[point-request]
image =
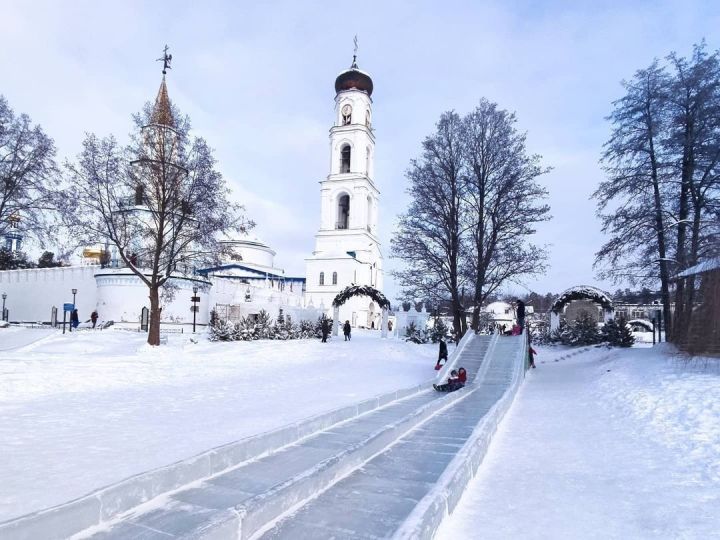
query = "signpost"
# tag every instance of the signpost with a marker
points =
(144, 319)
(194, 308)
(67, 308)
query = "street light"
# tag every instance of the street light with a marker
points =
(74, 292)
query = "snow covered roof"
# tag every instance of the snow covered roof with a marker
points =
(705, 266)
(498, 308)
(583, 292)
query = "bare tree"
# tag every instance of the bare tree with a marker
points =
(26, 168)
(429, 234)
(504, 202)
(638, 177)
(660, 200)
(159, 201)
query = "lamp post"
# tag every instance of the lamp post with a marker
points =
(194, 307)
(4, 297)
(74, 292)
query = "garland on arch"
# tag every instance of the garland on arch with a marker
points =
(361, 290)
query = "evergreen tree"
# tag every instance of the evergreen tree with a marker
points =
(439, 331)
(14, 260)
(47, 260)
(584, 331)
(626, 339)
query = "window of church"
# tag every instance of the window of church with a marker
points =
(345, 159)
(343, 219)
(334, 282)
(322, 278)
(367, 118)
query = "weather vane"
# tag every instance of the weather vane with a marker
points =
(166, 59)
(355, 49)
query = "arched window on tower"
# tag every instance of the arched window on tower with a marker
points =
(367, 118)
(322, 278)
(367, 161)
(343, 219)
(345, 159)
(334, 281)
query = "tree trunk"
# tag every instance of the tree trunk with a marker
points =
(155, 311)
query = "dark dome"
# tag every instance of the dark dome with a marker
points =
(354, 78)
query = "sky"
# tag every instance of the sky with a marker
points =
(257, 81)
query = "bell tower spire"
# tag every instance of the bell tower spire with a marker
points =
(347, 248)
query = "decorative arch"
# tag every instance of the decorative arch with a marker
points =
(361, 290)
(647, 325)
(581, 292)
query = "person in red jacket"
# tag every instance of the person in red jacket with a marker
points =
(455, 382)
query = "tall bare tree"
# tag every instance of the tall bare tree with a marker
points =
(504, 202)
(635, 162)
(429, 238)
(660, 201)
(694, 140)
(27, 168)
(159, 201)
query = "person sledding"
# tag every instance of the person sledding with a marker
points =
(442, 355)
(455, 382)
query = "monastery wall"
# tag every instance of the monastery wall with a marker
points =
(31, 293)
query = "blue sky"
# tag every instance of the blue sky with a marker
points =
(257, 82)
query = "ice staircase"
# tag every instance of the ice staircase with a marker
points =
(361, 478)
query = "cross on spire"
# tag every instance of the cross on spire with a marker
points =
(166, 59)
(355, 49)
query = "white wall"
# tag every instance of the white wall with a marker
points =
(121, 297)
(32, 293)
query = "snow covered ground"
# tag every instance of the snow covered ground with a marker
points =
(87, 409)
(606, 444)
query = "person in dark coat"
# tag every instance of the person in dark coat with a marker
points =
(531, 354)
(325, 329)
(520, 312)
(74, 318)
(346, 330)
(94, 318)
(442, 354)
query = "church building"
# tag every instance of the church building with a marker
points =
(347, 249)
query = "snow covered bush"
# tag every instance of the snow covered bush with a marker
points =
(579, 333)
(222, 331)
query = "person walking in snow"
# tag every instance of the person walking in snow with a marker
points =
(74, 318)
(94, 318)
(346, 330)
(531, 354)
(442, 354)
(325, 329)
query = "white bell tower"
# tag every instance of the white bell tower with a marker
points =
(347, 250)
